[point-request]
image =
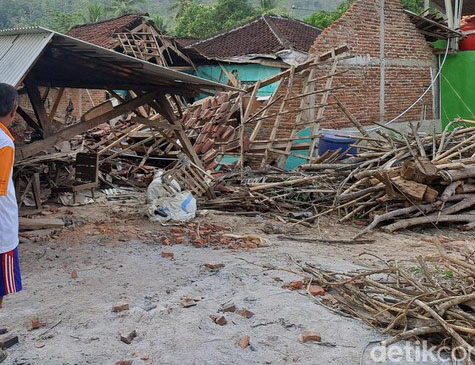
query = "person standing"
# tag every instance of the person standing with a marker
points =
(10, 278)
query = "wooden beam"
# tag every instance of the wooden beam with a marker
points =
(29, 120)
(54, 109)
(39, 108)
(83, 126)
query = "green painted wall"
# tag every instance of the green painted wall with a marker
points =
(458, 87)
(248, 74)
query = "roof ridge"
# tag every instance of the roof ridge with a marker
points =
(276, 32)
(255, 20)
(109, 20)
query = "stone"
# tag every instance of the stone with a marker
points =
(188, 302)
(244, 341)
(310, 336)
(6, 343)
(130, 337)
(316, 290)
(120, 307)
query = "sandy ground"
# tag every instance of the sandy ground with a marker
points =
(117, 256)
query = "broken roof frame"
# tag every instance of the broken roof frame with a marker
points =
(37, 57)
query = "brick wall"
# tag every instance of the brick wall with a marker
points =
(407, 68)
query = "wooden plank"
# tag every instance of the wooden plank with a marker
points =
(29, 224)
(81, 127)
(54, 109)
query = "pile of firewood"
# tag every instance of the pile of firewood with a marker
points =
(434, 301)
(397, 179)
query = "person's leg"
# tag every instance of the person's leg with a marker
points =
(1, 301)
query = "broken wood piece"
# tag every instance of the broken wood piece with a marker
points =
(32, 224)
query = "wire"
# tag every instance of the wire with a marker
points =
(423, 94)
(420, 97)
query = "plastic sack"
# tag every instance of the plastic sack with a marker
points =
(156, 188)
(180, 208)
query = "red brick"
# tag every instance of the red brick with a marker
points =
(310, 336)
(316, 290)
(120, 307)
(244, 341)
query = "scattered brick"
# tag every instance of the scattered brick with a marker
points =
(316, 290)
(128, 340)
(179, 240)
(244, 341)
(124, 362)
(74, 274)
(120, 307)
(245, 313)
(310, 336)
(221, 320)
(36, 323)
(168, 255)
(228, 308)
(294, 285)
(214, 266)
(166, 242)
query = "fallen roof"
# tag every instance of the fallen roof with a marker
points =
(102, 33)
(467, 9)
(266, 35)
(56, 60)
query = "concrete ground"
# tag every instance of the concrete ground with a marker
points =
(117, 256)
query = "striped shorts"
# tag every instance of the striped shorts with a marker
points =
(10, 278)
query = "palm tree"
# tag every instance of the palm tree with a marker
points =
(121, 7)
(94, 13)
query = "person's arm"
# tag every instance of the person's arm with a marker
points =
(6, 167)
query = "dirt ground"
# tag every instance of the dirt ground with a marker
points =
(117, 255)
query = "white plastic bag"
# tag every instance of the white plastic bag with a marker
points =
(156, 190)
(180, 208)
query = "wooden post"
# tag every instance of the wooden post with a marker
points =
(39, 108)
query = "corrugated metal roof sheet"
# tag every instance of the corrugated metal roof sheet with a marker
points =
(21, 48)
(18, 53)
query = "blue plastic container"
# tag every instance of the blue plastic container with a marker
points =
(330, 142)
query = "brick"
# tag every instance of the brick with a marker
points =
(120, 307)
(36, 324)
(129, 338)
(166, 242)
(74, 274)
(244, 341)
(179, 240)
(214, 266)
(228, 308)
(124, 362)
(310, 336)
(6, 343)
(220, 320)
(168, 255)
(294, 285)
(245, 313)
(316, 290)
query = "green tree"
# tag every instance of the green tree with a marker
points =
(180, 7)
(267, 6)
(94, 12)
(199, 20)
(121, 7)
(323, 19)
(159, 22)
(61, 21)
